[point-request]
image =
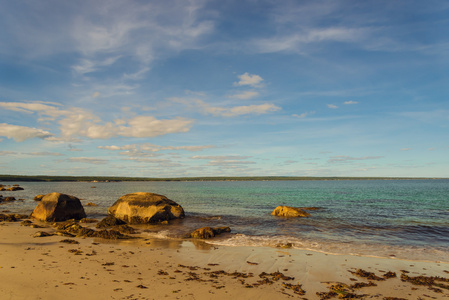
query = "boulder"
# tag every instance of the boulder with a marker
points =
(208, 232)
(55, 207)
(288, 211)
(143, 208)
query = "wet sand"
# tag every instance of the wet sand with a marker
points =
(46, 268)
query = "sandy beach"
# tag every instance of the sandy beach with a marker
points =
(90, 268)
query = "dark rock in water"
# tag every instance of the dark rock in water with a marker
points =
(58, 207)
(208, 232)
(109, 221)
(288, 211)
(15, 188)
(8, 199)
(143, 208)
(38, 197)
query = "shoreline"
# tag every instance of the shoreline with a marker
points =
(151, 268)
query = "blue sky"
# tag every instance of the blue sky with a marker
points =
(224, 88)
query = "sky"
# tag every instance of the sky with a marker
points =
(224, 88)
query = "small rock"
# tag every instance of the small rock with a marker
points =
(288, 211)
(42, 234)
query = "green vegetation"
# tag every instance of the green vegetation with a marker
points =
(46, 178)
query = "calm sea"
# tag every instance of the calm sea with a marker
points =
(386, 218)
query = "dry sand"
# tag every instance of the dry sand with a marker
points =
(45, 268)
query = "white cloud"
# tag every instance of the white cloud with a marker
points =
(350, 102)
(333, 106)
(22, 133)
(249, 79)
(78, 122)
(406, 149)
(245, 95)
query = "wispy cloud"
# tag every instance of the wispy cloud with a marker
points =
(333, 106)
(147, 147)
(350, 102)
(303, 115)
(226, 161)
(344, 158)
(88, 160)
(245, 95)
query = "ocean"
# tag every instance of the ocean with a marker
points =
(402, 219)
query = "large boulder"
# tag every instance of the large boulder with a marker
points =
(142, 208)
(55, 207)
(288, 211)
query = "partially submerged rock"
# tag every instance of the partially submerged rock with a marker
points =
(208, 232)
(38, 197)
(142, 208)
(7, 199)
(288, 211)
(58, 207)
(15, 188)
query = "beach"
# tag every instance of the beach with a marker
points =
(149, 268)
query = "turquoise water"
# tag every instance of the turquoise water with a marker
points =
(389, 218)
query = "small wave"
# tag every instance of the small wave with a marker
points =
(337, 248)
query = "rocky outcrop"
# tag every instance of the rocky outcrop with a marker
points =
(208, 232)
(12, 217)
(288, 211)
(109, 221)
(75, 229)
(58, 207)
(142, 208)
